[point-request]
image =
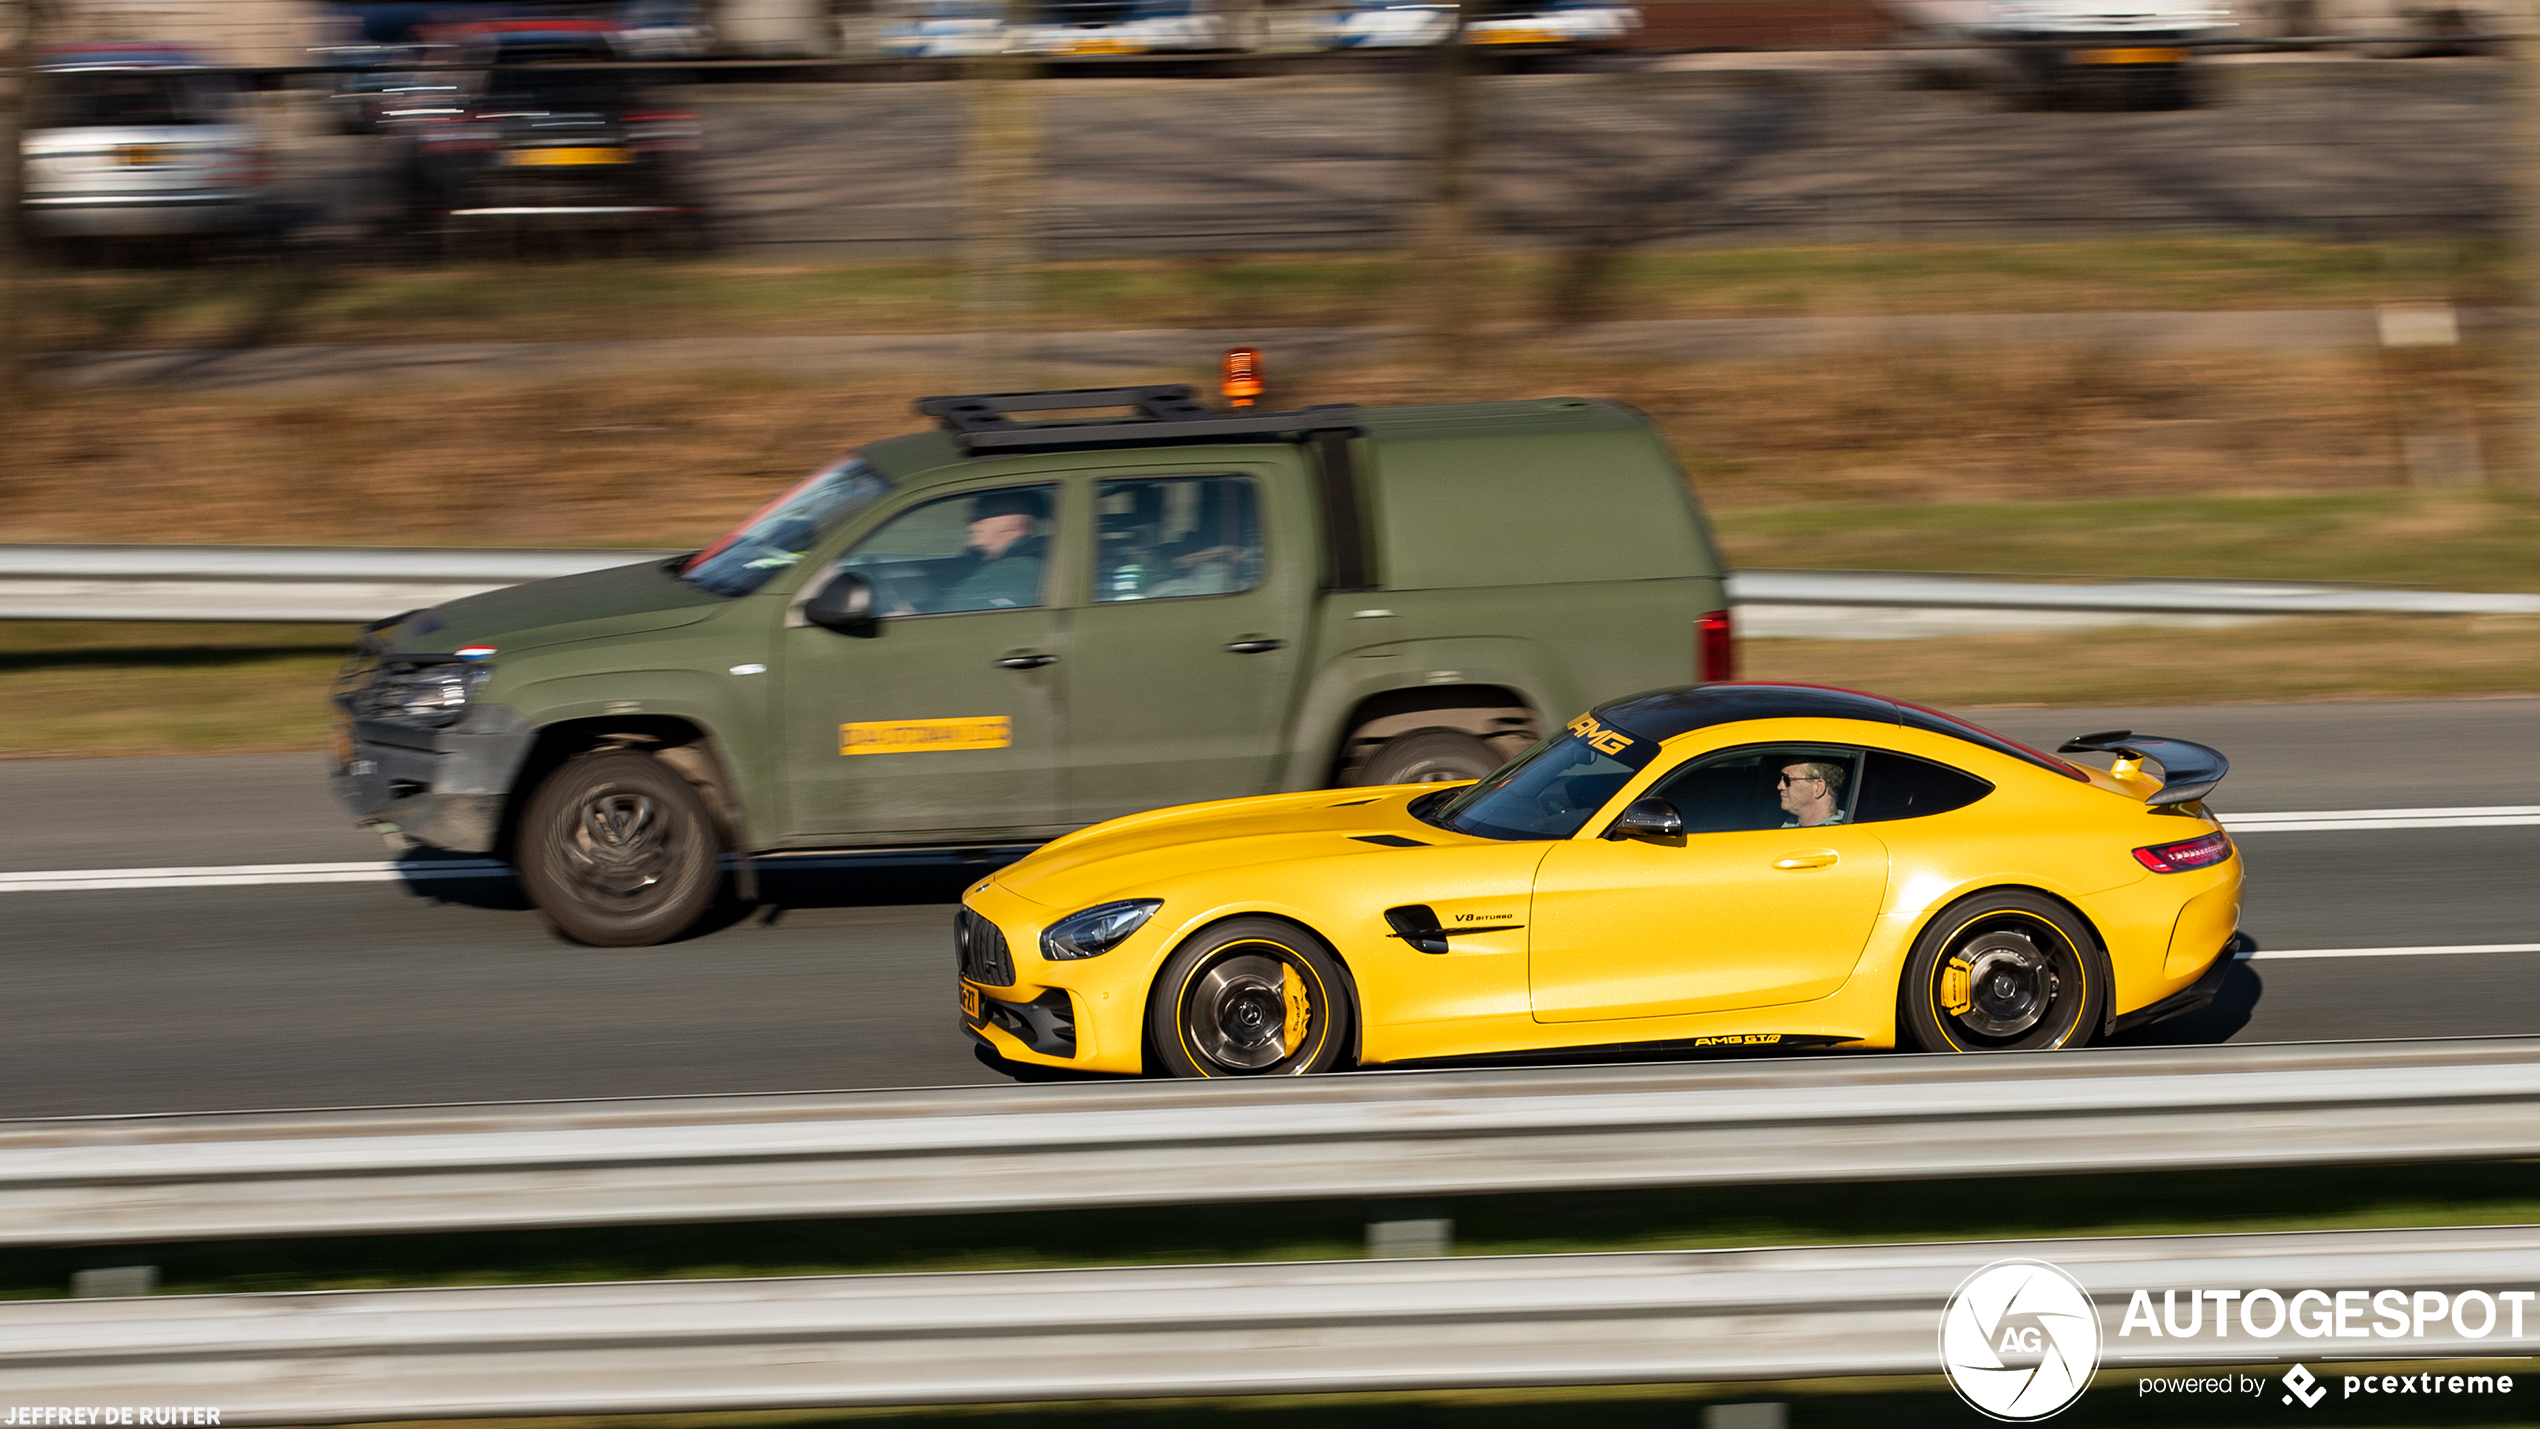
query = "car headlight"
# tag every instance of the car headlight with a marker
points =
(1097, 930)
(435, 694)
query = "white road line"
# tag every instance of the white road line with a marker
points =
(2271, 954)
(249, 875)
(2326, 820)
(76, 880)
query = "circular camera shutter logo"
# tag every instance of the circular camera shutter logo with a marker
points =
(2020, 1340)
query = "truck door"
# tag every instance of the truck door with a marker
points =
(1183, 657)
(945, 723)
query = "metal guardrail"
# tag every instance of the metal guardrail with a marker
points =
(984, 1337)
(100, 1180)
(346, 585)
(294, 584)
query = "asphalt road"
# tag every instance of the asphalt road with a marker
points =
(232, 997)
(1793, 155)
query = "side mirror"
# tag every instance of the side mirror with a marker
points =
(1648, 818)
(844, 605)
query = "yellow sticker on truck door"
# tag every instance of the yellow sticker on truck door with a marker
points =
(925, 736)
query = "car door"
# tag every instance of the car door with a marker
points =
(1182, 659)
(1737, 912)
(945, 722)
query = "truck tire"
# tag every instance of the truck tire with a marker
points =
(1429, 756)
(619, 850)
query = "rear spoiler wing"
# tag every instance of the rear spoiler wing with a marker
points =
(2188, 771)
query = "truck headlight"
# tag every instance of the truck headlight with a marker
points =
(1097, 930)
(435, 694)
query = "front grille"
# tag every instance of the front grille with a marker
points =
(980, 949)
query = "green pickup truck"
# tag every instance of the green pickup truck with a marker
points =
(1002, 629)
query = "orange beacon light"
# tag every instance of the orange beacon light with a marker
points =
(1241, 379)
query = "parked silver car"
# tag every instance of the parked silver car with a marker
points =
(138, 140)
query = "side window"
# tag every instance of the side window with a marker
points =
(1777, 786)
(1161, 537)
(1899, 786)
(982, 550)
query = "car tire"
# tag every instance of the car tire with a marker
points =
(2009, 971)
(1251, 997)
(619, 850)
(1429, 756)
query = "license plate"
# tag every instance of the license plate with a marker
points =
(969, 1001)
(564, 158)
(1097, 47)
(1517, 37)
(141, 156)
(2151, 56)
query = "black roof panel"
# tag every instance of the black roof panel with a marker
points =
(1664, 714)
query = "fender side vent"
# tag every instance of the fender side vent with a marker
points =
(1389, 840)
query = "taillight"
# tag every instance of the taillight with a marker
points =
(1716, 650)
(2213, 848)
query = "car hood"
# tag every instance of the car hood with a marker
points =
(622, 600)
(1141, 853)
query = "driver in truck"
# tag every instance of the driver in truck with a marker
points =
(1005, 529)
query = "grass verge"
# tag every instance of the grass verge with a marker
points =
(1706, 1218)
(100, 690)
(95, 688)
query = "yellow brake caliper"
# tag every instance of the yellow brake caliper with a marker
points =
(1300, 1011)
(1955, 998)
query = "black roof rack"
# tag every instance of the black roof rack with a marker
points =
(1166, 413)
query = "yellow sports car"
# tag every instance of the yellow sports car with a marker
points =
(1718, 865)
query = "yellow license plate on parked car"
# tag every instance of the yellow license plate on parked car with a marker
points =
(564, 158)
(2153, 56)
(142, 156)
(1517, 37)
(969, 1001)
(1098, 47)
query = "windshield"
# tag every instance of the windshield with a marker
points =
(785, 530)
(1549, 791)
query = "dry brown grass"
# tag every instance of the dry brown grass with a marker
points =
(669, 460)
(2381, 657)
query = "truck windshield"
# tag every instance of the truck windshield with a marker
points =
(1550, 791)
(782, 532)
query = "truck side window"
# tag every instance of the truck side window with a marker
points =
(982, 550)
(1161, 537)
(1899, 786)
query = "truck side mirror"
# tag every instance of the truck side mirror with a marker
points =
(1649, 817)
(844, 605)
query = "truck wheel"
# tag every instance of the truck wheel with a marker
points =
(2010, 971)
(619, 851)
(1429, 756)
(1251, 997)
